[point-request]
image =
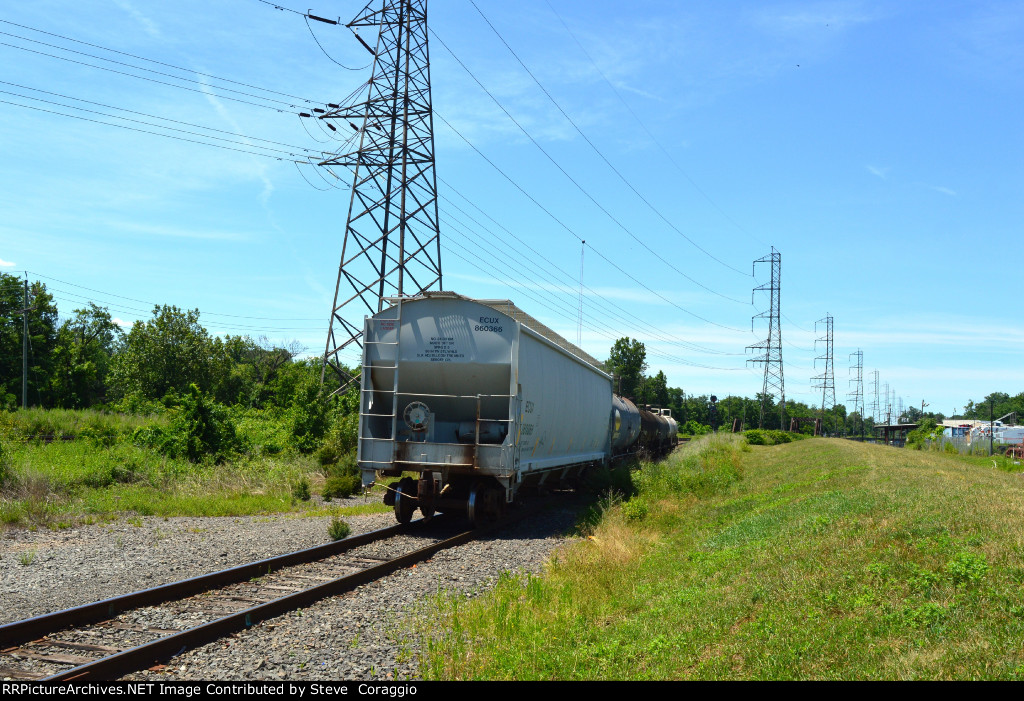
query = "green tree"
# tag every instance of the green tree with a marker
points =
(310, 415)
(628, 362)
(81, 358)
(165, 355)
(42, 332)
(654, 390)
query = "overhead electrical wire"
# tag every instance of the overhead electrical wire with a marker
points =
(144, 131)
(351, 95)
(577, 236)
(159, 126)
(610, 335)
(265, 140)
(143, 114)
(290, 105)
(571, 179)
(598, 151)
(154, 304)
(154, 61)
(567, 310)
(313, 34)
(531, 261)
(648, 131)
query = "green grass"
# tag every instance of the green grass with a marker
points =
(818, 559)
(101, 474)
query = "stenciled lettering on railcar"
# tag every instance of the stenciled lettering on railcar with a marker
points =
(489, 323)
(442, 350)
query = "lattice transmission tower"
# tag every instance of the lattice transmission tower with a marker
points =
(392, 244)
(875, 405)
(772, 346)
(827, 380)
(857, 395)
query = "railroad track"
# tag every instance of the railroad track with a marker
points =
(108, 639)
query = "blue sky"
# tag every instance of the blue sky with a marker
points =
(877, 145)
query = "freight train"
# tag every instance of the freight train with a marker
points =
(480, 400)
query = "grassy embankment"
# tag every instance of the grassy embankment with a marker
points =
(820, 559)
(58, 468)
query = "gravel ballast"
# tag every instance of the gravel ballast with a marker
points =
(350, 637)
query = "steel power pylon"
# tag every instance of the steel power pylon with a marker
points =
(828, 378)
(875, 407)
(857, 395)
(772, 347)
(392, 244)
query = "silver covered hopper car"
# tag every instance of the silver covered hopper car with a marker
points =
(478, 399)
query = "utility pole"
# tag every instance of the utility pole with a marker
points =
(772, 347)
(24, 345)
(828, 379)
(24, 348)
(392, 245)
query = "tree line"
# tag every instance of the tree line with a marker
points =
(87, 359)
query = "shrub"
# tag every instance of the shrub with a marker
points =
(341, 486)
(694, 428)
(635, 509)
(764, 436)
(338, 529)
(202, 428)
(300, 490)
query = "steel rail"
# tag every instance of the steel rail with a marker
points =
(20, 632)
(162, 649)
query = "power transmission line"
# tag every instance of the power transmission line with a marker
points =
(648, 131)
(597, 150)
(577, 236)
(571, 179)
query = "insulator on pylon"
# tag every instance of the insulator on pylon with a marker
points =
(331, 127)
(318, 110)
(331, 104)
(323, 19)
(305, 114)
(365, 45)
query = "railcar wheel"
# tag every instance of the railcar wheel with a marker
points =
(405, 500)
(484, 504)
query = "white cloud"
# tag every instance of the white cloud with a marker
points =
(149, 25)
(259, 169)
(122, 323)
(5, 264)
(879, 172)
(943, 190)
